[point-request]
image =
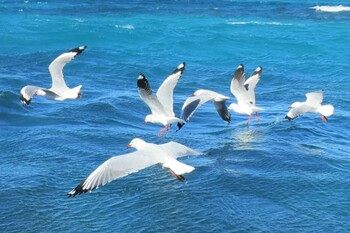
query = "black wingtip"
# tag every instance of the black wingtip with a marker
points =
(239, 70)
(288, 118)
(142, 81)
(179, 126)
(24, 100)
(257, 71)
(79, 190)
(228, 120)
(78, 50)
(180, 68)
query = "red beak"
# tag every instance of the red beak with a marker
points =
(128, 146)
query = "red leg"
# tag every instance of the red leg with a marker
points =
(179, 177)
(165, 128)
(248, 121)
(257, 117)
(323, 118)
(161, 131)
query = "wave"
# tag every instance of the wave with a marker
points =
(258, 23)
(333, 9)
(126, 26)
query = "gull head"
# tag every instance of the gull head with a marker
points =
(151, 118)
(136, 143)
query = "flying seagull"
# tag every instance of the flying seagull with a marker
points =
(313, 105)
(161, 104)
(146, 155)
(200, 97)
(244, 92)
(59, 90)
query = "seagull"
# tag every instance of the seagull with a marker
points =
(59, 90)
(200, 97)
(161, 104)
(244, 92)
(146, 155)
(312, 104)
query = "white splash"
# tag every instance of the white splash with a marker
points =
(258, 23)
(127, 26)
(333, 9)
(79, 20)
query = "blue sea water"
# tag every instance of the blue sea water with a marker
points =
(273, 176)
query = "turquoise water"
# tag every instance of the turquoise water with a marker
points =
(273, 176)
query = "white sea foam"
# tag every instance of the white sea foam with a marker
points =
(333, 9)
(79, 20)
(258, 23)
(127, 26)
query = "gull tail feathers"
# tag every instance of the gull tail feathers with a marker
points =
(257, 109)
(326, 110)
(172, 120)
(72, 93)
(177, 167)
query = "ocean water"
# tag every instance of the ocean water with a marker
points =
(273, 176)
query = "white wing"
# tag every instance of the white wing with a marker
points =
(251, 82)
(151, 100)
(176, 150)
(112, 169)
(297, 111)
(237, 87)
(28, 92)
(165, 92)
(314, 99)
(191, 104)
(56, 69)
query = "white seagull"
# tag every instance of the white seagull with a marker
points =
(244, 92)
(161, 104)
(59, 90)
(200, 97)
(147, 154)
(313, 105)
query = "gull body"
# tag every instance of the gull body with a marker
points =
(313, 104)
(146, 155)
(59, 90)
(199, 98)
(161, 104)
(244, 91)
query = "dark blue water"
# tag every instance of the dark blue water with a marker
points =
(273, 176)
